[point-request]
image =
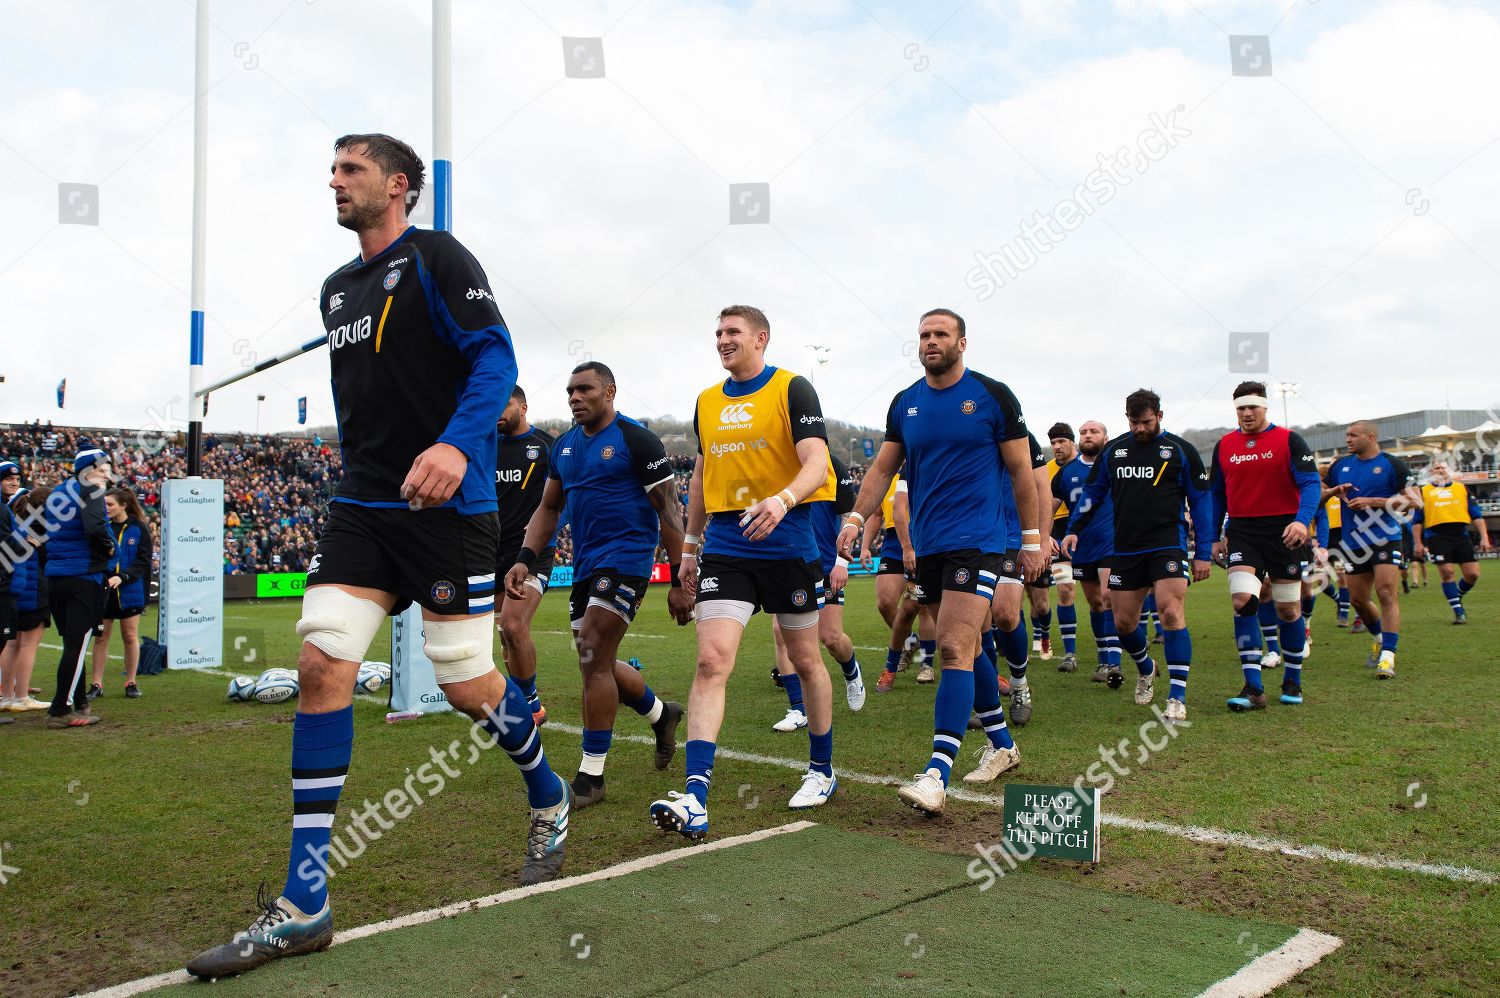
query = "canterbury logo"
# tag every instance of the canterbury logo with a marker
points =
(737, 412)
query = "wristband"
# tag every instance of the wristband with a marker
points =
(841, 562)
(1031, 547)
(688, 554)
(791, 498)
(676, 578)
(692, 539)
(854, 516)
(526, 557)
(1034, 532)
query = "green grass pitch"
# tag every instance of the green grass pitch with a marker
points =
(130, 846)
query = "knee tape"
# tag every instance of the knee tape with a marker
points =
(1244, 583)
(1062, 573)
(339, 624)
(797, 621)
(726, 609)
(459, 649)
(1286, 592)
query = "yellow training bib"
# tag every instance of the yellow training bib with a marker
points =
(748, 451)
(1062, 509)
(1445, 504)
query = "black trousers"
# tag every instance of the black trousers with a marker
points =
(77, 607)
(7, 619)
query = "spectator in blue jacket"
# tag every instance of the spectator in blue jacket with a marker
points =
(26, 552)
(10, 482)
(125, 578)
(79, 545)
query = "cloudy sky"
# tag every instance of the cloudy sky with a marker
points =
(1092, 184)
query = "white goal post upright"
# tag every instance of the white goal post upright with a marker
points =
(414, 689)
(190, 601)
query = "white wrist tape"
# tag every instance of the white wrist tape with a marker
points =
(841, 562)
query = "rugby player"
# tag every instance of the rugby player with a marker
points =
(1333, 510)
(1151, 476)
(893, 579)
(520, 475)
(1064, 451)
(1374, 488)
(762, 458)
(1090, 559)
(617, 482)
(1265, 479)
(943, 433)
(422, 365)
(1007, 634)
(1441, 529)
(826, 518)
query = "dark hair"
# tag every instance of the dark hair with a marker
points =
(35, 499)
(1249, 388)
(605, 374)
(750, 313)
(518, 394)
(392, 156)
(963, 330)
(1142, 401)
(132, 504)
(1060, 430)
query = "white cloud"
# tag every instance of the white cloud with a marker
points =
(599, 208)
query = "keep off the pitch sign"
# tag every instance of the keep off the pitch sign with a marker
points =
(1060, 822)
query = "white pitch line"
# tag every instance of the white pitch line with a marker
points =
(628, 634)
(1193, 833)
(117, 658)
(1270, 971)
(514, 894)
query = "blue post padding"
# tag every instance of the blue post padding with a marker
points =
(195, 339)
(442, 195)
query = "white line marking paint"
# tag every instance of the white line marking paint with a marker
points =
(117, 658)
(1270, 971)
(628, 634)
(1193, 833)
(514, 894)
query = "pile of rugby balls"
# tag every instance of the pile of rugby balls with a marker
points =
(277, 685)
(372, 677)
(271, 686)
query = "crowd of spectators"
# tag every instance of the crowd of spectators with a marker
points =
(276, 489)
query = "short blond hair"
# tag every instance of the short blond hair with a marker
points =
(756, 318)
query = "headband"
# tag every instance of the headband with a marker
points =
(1259, 400)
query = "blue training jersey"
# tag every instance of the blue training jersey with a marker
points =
(606, 477)
(953, 470)
(1379, 477)
(1008, 495)
(1096, 541)
(828, 517)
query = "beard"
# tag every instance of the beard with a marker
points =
(943, 364)
(1089, 449)
(362, 216)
